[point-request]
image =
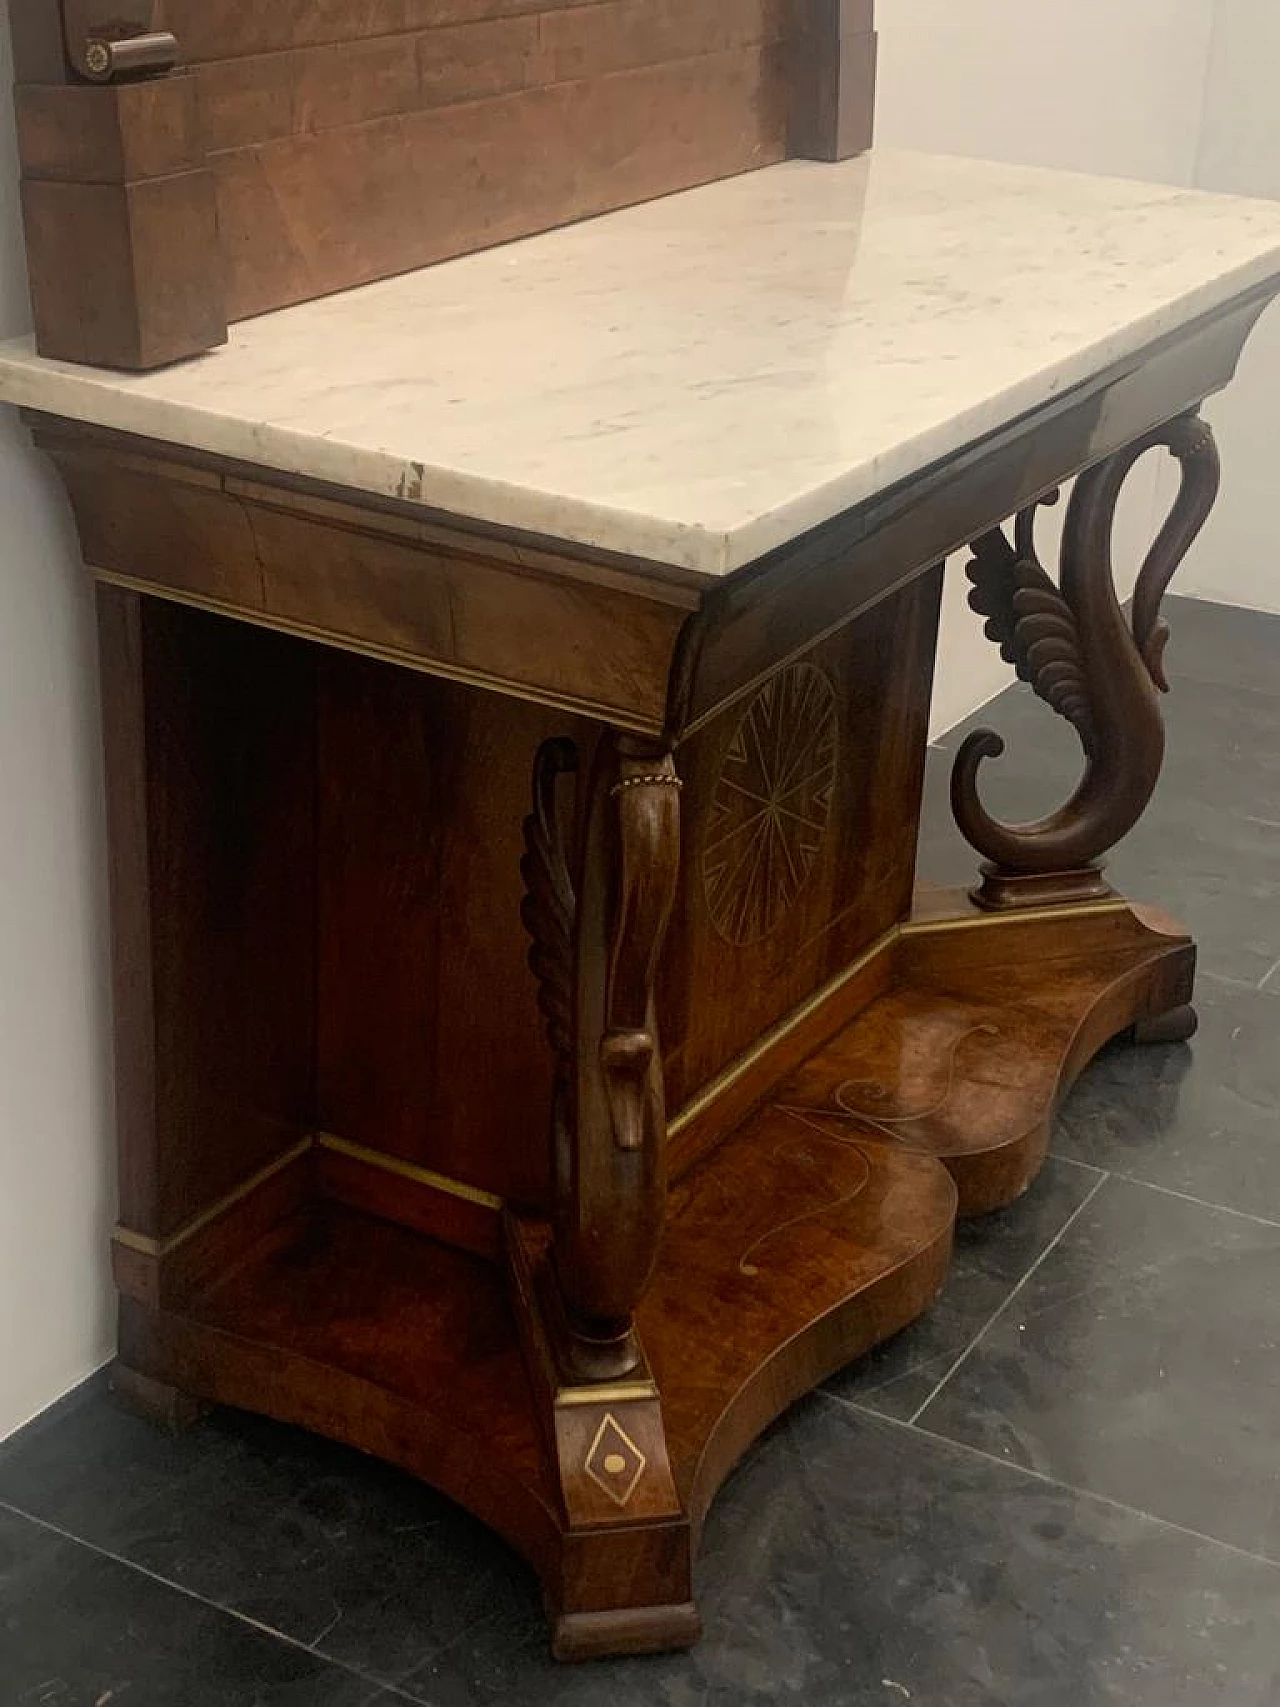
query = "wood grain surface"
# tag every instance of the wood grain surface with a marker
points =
(341, 142)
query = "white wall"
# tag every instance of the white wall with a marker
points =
(55, 1173)
(1236, 561)
(1107, 86)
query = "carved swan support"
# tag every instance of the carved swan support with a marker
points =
(597, 943)
(1074, 647)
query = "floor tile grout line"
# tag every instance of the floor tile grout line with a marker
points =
(923, 1363)
(1200, 1202)
(1205, 972)
(1035, 1475)
(202, 1600)
(996, 1315)
(1074, 1162)
(1181, 1196)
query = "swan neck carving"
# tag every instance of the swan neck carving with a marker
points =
(1073, 645)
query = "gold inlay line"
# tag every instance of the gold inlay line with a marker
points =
(617, 716)
(1012, 916)
(622, 1394)
(409, 1171)
(778, 1034)
(909, 927)
(164, 1247)
(159, 1248)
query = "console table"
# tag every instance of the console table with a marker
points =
(537, 1065)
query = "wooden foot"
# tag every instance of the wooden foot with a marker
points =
(644, 1630)
(1004, 891)
(1178, 1025)
(168, 1408)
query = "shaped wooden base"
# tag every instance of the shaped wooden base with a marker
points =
(818, 1226)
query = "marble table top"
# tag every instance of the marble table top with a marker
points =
(700, 379)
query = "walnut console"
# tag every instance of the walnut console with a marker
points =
(537, 1062)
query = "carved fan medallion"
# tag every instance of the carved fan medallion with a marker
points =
(772, 805)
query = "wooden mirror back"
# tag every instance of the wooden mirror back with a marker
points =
(187, 163)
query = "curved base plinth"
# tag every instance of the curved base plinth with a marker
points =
(579, 1636)
(985, 1025)
(787, 1255)
(1002, 891)
(817, 1227)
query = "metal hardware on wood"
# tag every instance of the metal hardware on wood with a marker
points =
(124, 43)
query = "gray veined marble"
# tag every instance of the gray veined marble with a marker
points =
(78, 1629)
(1141, 1361)
(855, 1563)
(1202, 1120)
(702, 378)
(340, 1554)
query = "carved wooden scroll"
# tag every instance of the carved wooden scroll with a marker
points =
(598, 926)
(1075, 648)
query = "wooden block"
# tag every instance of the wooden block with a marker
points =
(39, 51)
(123, 253)
(109, 134)
(167, 1408)
(247, 102)
(834, 82)
(124, 275)
(361, 138)
(230, 29)
(320, 212)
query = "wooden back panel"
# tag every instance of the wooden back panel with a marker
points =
(322, 144)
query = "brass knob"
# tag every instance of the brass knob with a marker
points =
(97, 59)
(102, 60)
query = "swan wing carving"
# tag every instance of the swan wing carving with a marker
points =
(1031, 622)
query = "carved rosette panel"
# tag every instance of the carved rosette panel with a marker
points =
(772, 805)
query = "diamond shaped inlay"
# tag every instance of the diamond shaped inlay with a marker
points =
(615, 1463)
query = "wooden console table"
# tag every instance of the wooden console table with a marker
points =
(576, 603)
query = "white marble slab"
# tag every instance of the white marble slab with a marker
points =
(700, 379)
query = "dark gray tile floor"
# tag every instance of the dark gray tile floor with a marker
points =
(1061, 1489)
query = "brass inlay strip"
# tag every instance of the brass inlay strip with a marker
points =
(1012, 916)
(979, 919)
(409, 1171)
(149, 1247)
(164, 1247)
(623, 1394)
(794, 1020)
(616, 716)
